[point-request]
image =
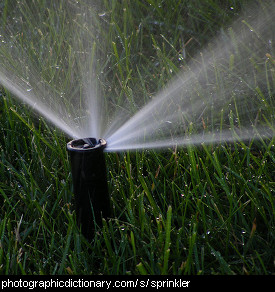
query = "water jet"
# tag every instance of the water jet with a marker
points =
(88, 167)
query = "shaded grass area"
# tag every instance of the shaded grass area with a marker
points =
(196, 210)
(206, 210)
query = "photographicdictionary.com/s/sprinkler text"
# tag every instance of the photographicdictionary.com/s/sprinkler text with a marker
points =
(142, 282)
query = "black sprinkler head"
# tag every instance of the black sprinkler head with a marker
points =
(92, 202)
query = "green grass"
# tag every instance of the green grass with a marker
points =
(195, 210)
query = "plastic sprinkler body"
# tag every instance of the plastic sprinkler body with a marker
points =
(92, 202)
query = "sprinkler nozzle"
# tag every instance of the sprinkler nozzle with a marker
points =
(92, 202)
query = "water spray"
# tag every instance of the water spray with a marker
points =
(92, 202)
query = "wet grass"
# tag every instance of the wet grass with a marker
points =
(206, 210)
(197, 210)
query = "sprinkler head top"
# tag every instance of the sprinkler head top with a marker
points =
(86, 144)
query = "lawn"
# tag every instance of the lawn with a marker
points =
(204, 209)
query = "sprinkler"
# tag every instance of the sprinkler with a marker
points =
(92, 202)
